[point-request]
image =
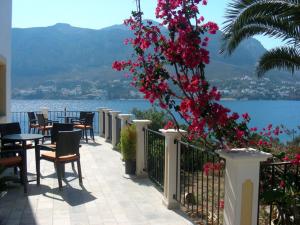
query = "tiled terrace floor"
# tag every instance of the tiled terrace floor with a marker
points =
(106, 198)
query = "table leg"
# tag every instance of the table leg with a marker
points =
(37, 161)
(25, 165)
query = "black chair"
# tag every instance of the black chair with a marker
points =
(45, 125)
(7, 129)
(87, 124)
(81, 118)
(8, 161)
(32, 122)
(10, 148)
(56, 128)
(67, 151)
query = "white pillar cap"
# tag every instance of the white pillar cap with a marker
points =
(107, 110)
(101, 108)
(248, 154)
(172, 132)
(114, 112)
(124, 116)
(142, 122)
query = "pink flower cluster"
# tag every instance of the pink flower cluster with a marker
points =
(212, 167)
(169, 70)
(294, 159)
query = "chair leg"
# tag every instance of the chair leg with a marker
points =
(15, 170)
(73, 165)
(29, 129)
(22, 178)
(86, 137)
(93, 136)
(63, 170)
(38, 166)
(58, 171)
(23, 175)
(79, 171)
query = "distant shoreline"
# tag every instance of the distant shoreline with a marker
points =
(138, 99)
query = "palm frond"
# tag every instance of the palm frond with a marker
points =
(263, 26)
(283, 58)
(240, 10)
(276, 19)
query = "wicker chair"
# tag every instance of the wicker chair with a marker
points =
(67, 151)
(44, 125)
(7, 129)
(81, 118)
(10, 148)
(56, 128)
(87, 124)
(32, 122)
(17, 160)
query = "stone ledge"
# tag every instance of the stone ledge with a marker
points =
(244, 154)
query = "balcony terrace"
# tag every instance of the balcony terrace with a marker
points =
(106, 197)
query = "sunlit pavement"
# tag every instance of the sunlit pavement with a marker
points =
(105, 198)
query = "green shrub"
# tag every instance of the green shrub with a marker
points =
(159, 118)
(128, 142)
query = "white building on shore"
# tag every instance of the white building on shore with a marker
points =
(5, 58)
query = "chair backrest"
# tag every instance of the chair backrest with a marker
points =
(68, 143)
(57, 127)
(82, 115)
(41, 119)
(10, 128)
(89, 117)
(31, 117)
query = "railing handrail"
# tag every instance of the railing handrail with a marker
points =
(153, 131)
(266, 163)
(197, 148)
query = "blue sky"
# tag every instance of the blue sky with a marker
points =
(97, 14)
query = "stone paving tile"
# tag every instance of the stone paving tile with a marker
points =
(106, 197)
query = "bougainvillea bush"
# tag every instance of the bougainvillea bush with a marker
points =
(170, 71)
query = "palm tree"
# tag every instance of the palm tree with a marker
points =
(273, 18)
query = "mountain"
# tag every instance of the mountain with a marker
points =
(66, 53)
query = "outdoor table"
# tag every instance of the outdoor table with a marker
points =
(23, 138)
(67, 118)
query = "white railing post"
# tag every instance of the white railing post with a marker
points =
(100, 121)
(106, 130)
(114, 114)
(171, 179)
(45, 111)
(140, 146)
(241, 185)
(125, 118)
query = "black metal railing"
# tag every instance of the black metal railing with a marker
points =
(155, 156)
(59, 116)
(279, 193)
(118, 129)
(109, 127)
(103, 121)
(200, 182)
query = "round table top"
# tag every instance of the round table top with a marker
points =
(22, 137)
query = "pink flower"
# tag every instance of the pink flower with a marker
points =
(169, 125)
(221, 204)
(246, 116)
(282, 184)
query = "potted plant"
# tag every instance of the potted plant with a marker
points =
(128, 148)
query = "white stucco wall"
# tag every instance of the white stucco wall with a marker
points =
(5, 47)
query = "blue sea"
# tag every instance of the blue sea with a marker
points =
(262, 112)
